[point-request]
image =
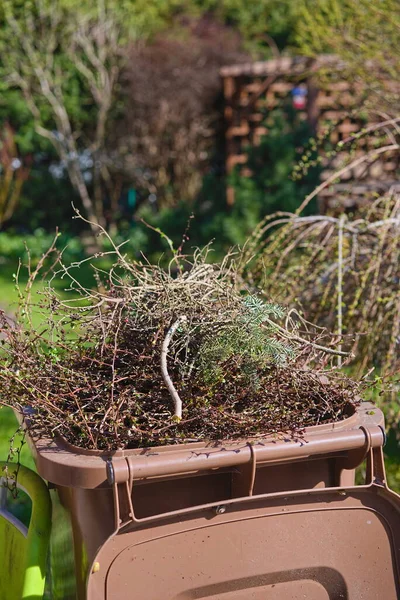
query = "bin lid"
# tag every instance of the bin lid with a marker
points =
(315, 545)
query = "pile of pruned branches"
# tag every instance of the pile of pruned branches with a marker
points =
(159, 355)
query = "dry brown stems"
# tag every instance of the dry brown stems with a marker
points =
(96, 371)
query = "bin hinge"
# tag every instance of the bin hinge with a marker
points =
(374, 437)
(243, 478)
(375, 471)
(120, 479)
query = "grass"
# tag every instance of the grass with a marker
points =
(8, 427)
(9, 293)
(392, 461)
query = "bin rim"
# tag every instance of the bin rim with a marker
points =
(66, 465)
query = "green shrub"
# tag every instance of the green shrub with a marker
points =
(13, 246)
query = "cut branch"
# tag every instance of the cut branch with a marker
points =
(164, 368)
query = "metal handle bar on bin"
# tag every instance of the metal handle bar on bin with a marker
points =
(232, 455)
(122, 472)
(64, 465)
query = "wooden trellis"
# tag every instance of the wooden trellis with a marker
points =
(252, 90)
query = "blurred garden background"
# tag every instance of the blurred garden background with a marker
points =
(202, 119)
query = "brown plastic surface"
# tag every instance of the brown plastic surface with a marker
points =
(199, 520)
(69, 466)
(315, 545)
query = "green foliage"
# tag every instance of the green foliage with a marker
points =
(271, 186)
(45, 203)
(230, 225)
(14, 246)
(36, 29)
(264, 24)
(340, 26)
(365, 34)
(141, 19)
(248, 341)
(13, 109)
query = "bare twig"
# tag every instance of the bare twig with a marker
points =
(164, 367)
(340, 284)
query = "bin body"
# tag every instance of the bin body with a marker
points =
(121, 504)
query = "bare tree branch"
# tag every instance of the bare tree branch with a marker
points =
(93, 48)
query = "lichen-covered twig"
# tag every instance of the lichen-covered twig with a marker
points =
(340, 284)
(164, 368)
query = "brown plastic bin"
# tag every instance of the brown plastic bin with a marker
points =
(274, 518)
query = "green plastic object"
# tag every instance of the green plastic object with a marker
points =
(23, 548)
